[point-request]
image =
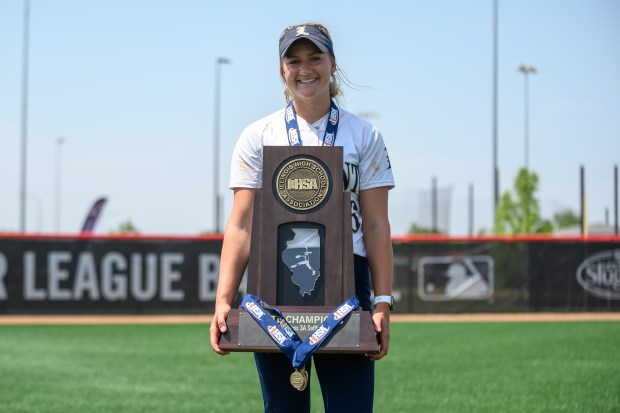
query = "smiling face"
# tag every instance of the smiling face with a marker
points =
(307, 72)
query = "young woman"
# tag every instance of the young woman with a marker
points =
(309, 71)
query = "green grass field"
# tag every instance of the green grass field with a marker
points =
(442, 367)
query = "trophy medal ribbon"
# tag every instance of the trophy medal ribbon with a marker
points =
(292, 128)
(273, 322)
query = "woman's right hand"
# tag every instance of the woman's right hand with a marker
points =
(219, 327)
(233, 261)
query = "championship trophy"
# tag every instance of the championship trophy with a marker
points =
(301, 291)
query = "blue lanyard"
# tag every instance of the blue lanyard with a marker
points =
(292, 128)
(272, 321)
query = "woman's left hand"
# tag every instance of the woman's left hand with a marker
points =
(381, 321)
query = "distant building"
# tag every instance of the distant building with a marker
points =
(593, 229)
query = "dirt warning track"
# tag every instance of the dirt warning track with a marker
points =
(206, 319)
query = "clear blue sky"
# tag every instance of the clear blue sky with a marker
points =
(129, 85)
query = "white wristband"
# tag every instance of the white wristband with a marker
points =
(384, 299)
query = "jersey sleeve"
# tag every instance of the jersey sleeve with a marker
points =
(375, 167)
(246, 166)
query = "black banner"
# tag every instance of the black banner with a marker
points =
(90, 275)
(575, 276)
(445, 275)
(504, 275)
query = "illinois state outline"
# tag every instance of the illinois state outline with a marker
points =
(302, 256)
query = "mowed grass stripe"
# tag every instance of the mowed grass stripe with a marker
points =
(503, 367)
(442, 367)
(120, 368)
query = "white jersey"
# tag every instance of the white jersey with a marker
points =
(366, 162)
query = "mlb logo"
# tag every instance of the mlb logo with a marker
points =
(452, 278)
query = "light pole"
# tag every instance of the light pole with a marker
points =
(39, 204)
(60, 141)
(527, 70)
(495, 167)
(24, 118)
(216, 140)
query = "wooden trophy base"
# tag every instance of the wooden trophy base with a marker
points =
(355, 335)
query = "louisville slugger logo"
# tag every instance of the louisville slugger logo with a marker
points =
(599, 274)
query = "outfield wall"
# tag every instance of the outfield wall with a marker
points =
(432, 274)
(494, 274)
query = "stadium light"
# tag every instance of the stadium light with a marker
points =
(59, 142)
(216, 141)
(24, 118)
(494, 128)
(527, 70)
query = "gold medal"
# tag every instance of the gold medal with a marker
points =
(299, 379)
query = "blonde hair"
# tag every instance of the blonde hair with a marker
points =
(334, 84)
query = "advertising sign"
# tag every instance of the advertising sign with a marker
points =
(101, 275)
(449, 278)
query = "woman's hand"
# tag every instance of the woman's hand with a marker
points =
(381, 321)
(219, 327)
(233, 260)
(377, 237)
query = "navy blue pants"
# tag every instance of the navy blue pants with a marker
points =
(347, 380)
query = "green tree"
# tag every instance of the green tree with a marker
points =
(418, 229)
(126, 227)
(566, 218)
(519, 213)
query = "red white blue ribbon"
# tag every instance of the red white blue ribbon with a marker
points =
(292, 127)
(273, 322)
